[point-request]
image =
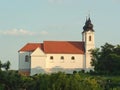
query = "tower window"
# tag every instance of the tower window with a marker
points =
(26, 58)
(89, 38)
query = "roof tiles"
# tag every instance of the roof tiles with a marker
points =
(31, 47)
(63, 47)
(56, 47)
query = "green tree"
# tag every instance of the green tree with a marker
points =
(106, 59)
(6, 65)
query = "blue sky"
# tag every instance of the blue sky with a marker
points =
(23, 21)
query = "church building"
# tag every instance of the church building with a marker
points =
(55, 56)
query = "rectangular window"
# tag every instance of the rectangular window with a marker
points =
(26, 58)
(89, 38)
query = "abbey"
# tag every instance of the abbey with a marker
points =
(55, 56)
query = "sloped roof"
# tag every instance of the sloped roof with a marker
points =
(31, 47)
(63, 47)
(56, 47)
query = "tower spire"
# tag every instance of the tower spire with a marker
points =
(89, 14)
(88, 25)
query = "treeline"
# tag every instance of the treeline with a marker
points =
(11, 80)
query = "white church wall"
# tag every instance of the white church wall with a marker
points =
(23, 64)
(67, 64)
(89, 44)
(38, 61)
(88, 61)
(38, 64)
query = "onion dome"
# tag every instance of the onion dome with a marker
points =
(88, 25)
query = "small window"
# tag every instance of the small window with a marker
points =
(62, 58)
(51, 57)
(26, 58)
(89, 38)
(72, 58)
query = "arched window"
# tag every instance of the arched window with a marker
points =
(90, 38)
(51, 57)
(62, 58)
(72, 58)
(26, 58)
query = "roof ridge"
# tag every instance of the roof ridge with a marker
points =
(62, 41)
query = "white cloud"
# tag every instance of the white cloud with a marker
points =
(17, 32)
(21, 32)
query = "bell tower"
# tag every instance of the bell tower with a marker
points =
(88, 39)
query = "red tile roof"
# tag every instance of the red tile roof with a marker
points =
(31, 47)
(57, 47)
(63, 47)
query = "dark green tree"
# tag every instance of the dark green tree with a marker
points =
(106, 59)
(6, 65)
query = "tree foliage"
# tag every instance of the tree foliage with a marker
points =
(106, 59)
(5, 66)
(12, 80)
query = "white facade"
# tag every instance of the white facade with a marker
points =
(59, 62)
(42, 63)
(88, 38)
(24, 66)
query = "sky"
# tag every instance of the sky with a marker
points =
(25, 21)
